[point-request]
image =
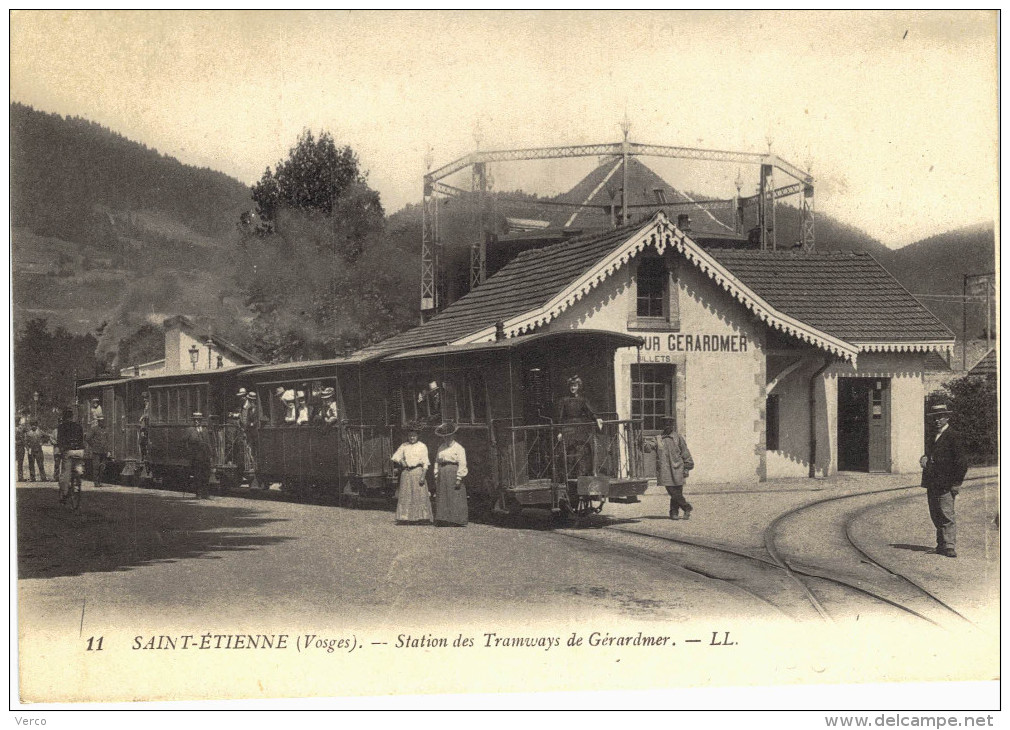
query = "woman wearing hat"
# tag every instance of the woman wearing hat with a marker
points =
(286, 403)
(412, 501)
(450, 468)
(329, 414)
(574, 408)
(943, 468)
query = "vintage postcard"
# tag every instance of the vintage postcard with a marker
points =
(370, 354)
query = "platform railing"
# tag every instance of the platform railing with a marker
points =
(611, 451)
(369, 448)
(526, 454)
(558, 452)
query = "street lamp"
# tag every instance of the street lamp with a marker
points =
(194, 355)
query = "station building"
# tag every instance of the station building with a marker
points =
(774, 364)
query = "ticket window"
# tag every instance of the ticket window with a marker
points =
(653, 395)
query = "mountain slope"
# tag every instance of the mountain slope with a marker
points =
(106, 229)
(934, 268)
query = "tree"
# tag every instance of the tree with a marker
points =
(319, 275)
(312, 178)
(47, 363)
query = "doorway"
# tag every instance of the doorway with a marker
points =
(864, 424)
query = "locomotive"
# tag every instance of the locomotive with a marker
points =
(502, 395)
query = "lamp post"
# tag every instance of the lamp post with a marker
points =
(194, 355)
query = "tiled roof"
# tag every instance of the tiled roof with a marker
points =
(845, 294)
(985, 366)
(526, 282)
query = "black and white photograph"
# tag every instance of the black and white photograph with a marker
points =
(547, 357)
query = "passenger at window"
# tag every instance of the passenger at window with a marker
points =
(328, 413)
(286, 400)
(301, 408)
(450, 468)
(673, 465)
(412, 501)
(95, 412)
(575, 409)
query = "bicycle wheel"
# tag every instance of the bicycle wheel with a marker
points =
(74, 497)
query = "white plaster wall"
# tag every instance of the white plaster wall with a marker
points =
(792, 458)
(177, 344)
(720, 394)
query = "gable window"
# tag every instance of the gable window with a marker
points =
(652, 288)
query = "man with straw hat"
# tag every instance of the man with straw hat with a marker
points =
(943, 469)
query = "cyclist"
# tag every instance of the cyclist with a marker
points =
(70, 442)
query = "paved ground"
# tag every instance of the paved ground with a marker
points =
(149, 561)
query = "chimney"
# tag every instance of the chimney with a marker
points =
(684, 222)
(499, 331)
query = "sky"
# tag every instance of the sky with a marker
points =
(894, 113)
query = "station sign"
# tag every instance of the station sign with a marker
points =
(658, 348)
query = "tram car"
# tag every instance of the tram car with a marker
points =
(504, 397)
(326, 429)
(322, 429)
(146, 420)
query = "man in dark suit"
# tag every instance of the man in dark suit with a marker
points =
(198, 447)
(943, 470)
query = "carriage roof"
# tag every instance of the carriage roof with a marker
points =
(615, 338)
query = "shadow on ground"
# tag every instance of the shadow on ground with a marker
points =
(913, 548)
(121, 530)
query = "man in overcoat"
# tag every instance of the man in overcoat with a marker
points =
(673, 464)
(198, 447)
(943, 468)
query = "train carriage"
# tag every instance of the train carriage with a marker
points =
(503, 396)
(172, 400)
(309, 452)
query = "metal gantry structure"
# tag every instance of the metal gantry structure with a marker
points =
(432, 256)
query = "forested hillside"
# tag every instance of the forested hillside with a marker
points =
(106, 230)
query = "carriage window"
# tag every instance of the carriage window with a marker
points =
(475, 392)
(651, 281)
(652, 394)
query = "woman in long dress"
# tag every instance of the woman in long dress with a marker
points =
(450, 468)
(412, 501)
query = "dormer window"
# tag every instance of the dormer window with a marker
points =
(652, 288)
(660, 195)
(655, 305)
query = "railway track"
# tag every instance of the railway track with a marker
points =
(799, 582)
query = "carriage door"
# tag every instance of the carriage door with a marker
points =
(864, 424)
